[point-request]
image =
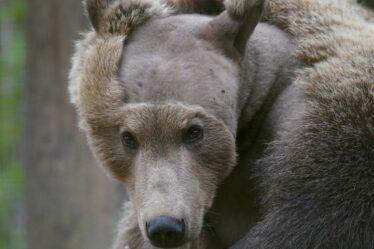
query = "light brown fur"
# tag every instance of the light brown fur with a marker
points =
(99, 95)
(339, 72)
(114, 94)
(100, 92)
(93, 77)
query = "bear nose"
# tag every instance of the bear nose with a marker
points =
(166, 232)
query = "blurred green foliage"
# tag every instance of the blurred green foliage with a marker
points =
(370, 3)
(12, 58)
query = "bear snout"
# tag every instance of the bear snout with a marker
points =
(166, 232)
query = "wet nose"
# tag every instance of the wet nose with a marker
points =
(166, 232)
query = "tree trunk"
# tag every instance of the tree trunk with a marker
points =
(71, 203)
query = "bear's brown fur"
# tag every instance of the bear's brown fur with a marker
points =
(176, 72)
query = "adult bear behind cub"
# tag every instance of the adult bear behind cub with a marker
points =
(167, 107)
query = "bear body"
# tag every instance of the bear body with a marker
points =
(218, 138)
(162, 77)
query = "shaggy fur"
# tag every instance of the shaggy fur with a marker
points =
(120, 16)
(308, 146)
(318, 173)
(98, 54)
(192, 78)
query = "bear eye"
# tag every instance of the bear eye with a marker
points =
(193, 134)
(129, 141)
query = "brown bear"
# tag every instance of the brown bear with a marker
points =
(213, 136)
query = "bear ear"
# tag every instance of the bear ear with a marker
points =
(234, 33)
(121, 16)
(95, 10)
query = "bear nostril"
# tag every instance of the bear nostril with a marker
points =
(166, 232)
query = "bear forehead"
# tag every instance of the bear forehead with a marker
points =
(169, 32)
(143, 117)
